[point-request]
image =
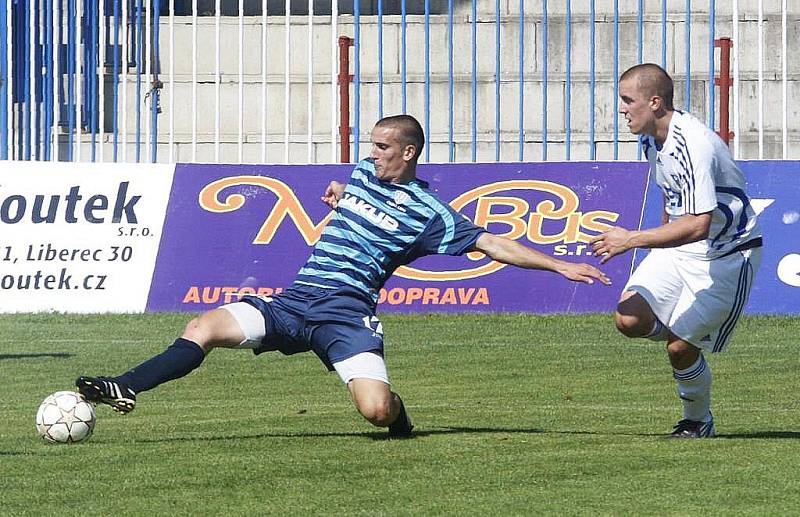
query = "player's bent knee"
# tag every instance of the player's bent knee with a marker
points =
(193, 331)
(373, 399)
(681, 352)
(377, 412)
(216, 328)
(629, 325)
(633, 316)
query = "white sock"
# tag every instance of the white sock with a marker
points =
(659, 332)
(694, 390)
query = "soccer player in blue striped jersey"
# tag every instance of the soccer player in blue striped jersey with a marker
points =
(691, 288)
(385, 217)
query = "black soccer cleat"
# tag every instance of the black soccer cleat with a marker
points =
(402, 426)
(107, 391)
(694, 429)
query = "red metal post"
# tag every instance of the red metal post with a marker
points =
(344, 98)
(724, 81)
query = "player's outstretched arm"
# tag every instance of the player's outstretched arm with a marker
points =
(511, 252)
(688, 228)
(333, 194)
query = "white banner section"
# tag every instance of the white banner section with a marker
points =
(80, 237)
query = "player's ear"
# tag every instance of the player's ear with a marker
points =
(656, 103)
(409, 152)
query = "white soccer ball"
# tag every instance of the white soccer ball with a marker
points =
(65, 417)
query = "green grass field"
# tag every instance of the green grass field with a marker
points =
(515, 415)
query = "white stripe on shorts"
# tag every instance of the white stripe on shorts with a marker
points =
(251, 323)
(366, 365)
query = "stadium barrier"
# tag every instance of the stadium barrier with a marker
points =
(240, 82)
(189, 237)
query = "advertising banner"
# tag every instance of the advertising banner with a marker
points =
(79, 237)
(774, 187)
(135, 237)
(235, 230)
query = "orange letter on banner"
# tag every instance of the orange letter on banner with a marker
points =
(482, 298)
(192, 295)
(547, 210)
(591, 221)
(287, 204)
(514, 218)
(569, 234)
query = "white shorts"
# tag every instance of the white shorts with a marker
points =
(700, 301)
(366, 365)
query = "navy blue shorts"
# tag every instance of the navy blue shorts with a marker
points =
(335, 324)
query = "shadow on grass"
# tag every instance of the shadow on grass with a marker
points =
(455, 430)
(57, 355)
(371, 435)
(765, 435)
(383, 436)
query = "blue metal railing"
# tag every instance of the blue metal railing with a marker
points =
(357, 76)
(5, 91)
(428, 75)
(53, 75)
(592, 82)
(380, 59)
(474, 83)
(521, 80)
(568, 78)
(664, 34)
(115, 97)
(156, 85)
(139, 52)
(616, 74)
(450, 82)
(711, 68)
(688, 59)
(403, 51)
(497, 102)
(544, 80)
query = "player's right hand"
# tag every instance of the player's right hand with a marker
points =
(610, 243)
(585, 273)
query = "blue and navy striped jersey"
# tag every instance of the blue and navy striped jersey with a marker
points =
(380, 226)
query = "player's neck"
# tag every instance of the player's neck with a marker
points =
(407, 176)
(662, 127)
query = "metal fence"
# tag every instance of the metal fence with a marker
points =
(240, 82)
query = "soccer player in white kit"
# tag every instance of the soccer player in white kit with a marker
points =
(691, 288)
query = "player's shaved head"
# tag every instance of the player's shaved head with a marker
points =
(410, 131)
(652, 80)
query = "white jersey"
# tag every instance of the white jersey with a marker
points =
(697, 174)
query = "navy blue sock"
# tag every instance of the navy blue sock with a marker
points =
(177, 360)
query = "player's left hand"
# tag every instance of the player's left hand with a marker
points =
(333, 194)
(610, 243)
(583, 273)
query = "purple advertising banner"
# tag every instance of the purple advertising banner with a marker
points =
(237, 230)
(774, 189)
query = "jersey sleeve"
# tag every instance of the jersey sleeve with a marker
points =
(449, 233)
